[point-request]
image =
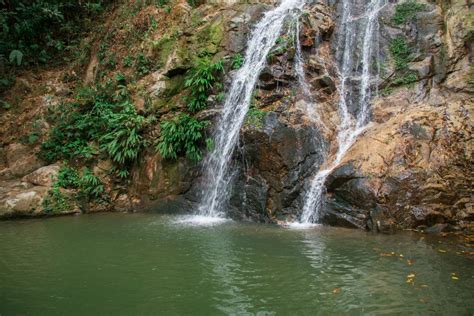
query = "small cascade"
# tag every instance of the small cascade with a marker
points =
(216, 166)
(350, 128)
(310, 106)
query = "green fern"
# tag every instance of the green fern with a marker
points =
(181, 136)
(201, 80)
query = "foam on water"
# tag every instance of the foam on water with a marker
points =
(200, 220)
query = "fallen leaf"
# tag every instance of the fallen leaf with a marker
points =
(411, 275)
(424, 285)
(441, 250)
(409, 262)
(454, 277)
(401, 256)
(337, 290)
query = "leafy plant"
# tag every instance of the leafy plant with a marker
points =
(33, 31)
(142, 65)
(405, 79)
(386, 91)
(237, 61)
(68, 178)
(161, 3)
(400, 53)
(181, 136)
(90, 186)
(128, 61)
(56, 202)
(101, 121)
(407, 11)
(123, 141)
(201, 80)
(255, 117)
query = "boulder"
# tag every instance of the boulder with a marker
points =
(27, 202)
(43, 176)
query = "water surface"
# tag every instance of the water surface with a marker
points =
(146, 264)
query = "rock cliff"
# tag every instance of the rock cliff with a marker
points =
(411, 167)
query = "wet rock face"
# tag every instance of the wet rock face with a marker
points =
(274, 160)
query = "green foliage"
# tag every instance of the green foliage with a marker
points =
(128, 61)
(33, 31)
(101, 121)
(237, 61)
(181, 136)
(143, 65)
(193, 3)
(16, 56)
(386, 91)
(56, 202)
(68, 178)
(400, 53)
(201, 80)
(86, 186)
(90, 186)
(405, 79)
(123, 140)
(255, 117)
(6, 105)
(407, 11)
(161, 3)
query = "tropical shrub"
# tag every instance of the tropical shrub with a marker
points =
(401, 55)
(33, 31)
(100, 122)
(237, 61)
(181, 136)
(407, 11)
(201, 80)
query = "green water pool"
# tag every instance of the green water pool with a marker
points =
(148, 264)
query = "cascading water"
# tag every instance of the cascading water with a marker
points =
(310, 107)
(349, 128)
(216, 165)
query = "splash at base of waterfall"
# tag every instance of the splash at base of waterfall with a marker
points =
(200, 220)
(298, 225)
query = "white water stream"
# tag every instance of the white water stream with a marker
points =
(217, 164)
(349, 128)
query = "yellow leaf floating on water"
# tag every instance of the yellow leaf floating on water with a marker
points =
(441, 250)
(424, 286)
(454, 278)
(409, 262)
(401, 256)
(411, 275)
(337, 290)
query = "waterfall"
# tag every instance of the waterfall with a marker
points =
(310, 106)
(216, 165)
(350, 128)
